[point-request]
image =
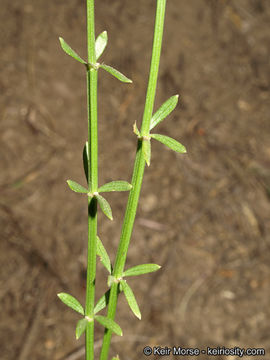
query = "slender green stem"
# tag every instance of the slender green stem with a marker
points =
(152, 83)
(92, 180)
(137, 173)
(91, 31)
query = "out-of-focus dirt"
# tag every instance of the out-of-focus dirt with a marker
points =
(203, 216)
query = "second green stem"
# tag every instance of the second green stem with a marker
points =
(137, 173)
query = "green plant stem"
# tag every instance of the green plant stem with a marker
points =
(92, 180)
(152, 83)
(137, 173)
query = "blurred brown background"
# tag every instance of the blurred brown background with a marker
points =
(203, 216)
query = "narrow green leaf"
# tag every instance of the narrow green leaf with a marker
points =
(81, 327)
(115, 186)
(136, 130)
(71, 302)
(115, 73)
(146, 148)
(104, 257)
(165, 110)
(141, 269)
(85, 160)
(101, 43)
(70, 51)
(77, 187)
(131, 299)
(171, 143)
(102, 302)
(109, 324)
(105, 206)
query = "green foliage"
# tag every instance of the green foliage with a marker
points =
(115, 73)
(130, 298)
(109, 324)
(141, 269)
(81, 327)
(115, 186)
(85, 160)
(102, 302)
(165, 110)
(105, 206)
(71, 302)
(74, 186)
(104, 257)
(136, 130)
(101, 44)
(70, 51)
(96, 47)
(146, 148)
(171, 143)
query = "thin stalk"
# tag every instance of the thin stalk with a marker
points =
(92, 180)
(137, 173)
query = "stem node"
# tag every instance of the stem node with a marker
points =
(89, 319)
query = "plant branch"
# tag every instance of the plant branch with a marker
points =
(92, 180)
(137, 173)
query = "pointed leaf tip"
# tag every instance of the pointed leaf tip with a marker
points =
(115, 73)
(141, 269)
(109, 324)
(102, 302)
(101, 43)
(72, 302)
(104, 257)
(105, 206)
(81, 327)
(136, 130)
(131, 299)
(166, 108)
(74, 186)
(170, 142)
(70, 51)
(146, 148)
(85, 160)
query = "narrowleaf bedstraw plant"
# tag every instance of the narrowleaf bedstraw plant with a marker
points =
(117, 273)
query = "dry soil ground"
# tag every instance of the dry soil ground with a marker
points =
(203, 216)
